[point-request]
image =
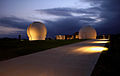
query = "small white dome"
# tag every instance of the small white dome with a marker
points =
(87, 32)
(37, 31)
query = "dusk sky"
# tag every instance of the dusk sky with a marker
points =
(59, 16)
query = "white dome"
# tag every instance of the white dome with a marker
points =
(87, 32)
(37, 31)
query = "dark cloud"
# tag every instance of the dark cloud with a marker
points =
(111, 13)
(108, 10)
(68, 11)
(74, 19)
(63, 26)
(14, 22)
(13, 26)
(66, 26)
(57, 11)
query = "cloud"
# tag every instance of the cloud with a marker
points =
(9, 30)
(57, 11)
(13, 26)
(111, 13)
(69, 20)
(66, 26)
(67, 11)
(104, 16)
(13, 21)
(64, 13)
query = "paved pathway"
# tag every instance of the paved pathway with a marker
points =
(70, 60)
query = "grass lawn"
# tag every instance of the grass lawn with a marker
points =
(14, 48)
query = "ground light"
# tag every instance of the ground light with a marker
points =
(102, 39)
(91, 49)
(100, 42)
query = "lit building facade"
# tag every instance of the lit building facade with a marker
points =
(60, 37)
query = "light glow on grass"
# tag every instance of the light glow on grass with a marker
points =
(91, 49)
(97, 48)
(100, 41)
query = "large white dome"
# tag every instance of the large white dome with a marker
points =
(37, 31)
(87, 32)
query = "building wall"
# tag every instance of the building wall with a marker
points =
(60, 37)
(69, 37)
(76, 36)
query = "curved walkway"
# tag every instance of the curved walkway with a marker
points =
(76, 59)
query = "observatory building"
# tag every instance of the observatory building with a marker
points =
(87, 32)
(37, 31)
